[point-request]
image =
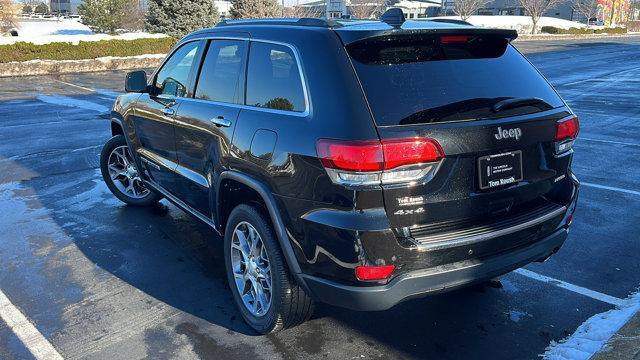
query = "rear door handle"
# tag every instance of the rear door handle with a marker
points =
(169, 111)
(220, 121)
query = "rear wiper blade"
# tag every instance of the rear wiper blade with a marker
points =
(519, 102)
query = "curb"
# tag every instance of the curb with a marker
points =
(48, 67)
(624, 345)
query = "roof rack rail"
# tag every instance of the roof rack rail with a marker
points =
(314, 22)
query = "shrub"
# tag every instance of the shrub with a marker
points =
(582, 31)
(22, 51)
(633, 25)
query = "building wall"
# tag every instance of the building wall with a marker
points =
(513, 7)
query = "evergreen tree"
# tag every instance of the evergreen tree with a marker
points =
(253, 9)
(178, 18)
(27, 9)
(41, 8)
(104, 16)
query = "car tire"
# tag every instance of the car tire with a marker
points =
(289, 304)
(121, 176)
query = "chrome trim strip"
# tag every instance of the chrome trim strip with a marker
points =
(181, 204)
(194, 176)
(155, 160)
(439, 245)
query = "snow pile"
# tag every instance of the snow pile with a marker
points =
(44, 31)
(593, 334)
(519, 23)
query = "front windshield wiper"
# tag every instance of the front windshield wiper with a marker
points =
(520, 102)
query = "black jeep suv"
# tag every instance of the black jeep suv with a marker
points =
(357, 163)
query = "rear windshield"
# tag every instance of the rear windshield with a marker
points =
(429, 79)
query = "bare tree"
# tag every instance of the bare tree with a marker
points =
(8, 11)
(466, 8)
(586, 8)
(535, 9)
(366, 9)
(302, 11)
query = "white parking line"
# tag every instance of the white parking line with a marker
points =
(597, 186)
(609, 141)
(74, 85)
(32, 339)
(575, 288)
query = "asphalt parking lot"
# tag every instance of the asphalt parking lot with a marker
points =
(99, 279)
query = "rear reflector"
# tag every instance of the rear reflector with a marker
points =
(567, 129)
(374, 272)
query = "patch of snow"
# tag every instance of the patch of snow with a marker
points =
(45, 31)
(71, 102)
(520, 23)
(516, 316)
(593, 334)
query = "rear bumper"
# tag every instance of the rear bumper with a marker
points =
(433, 280)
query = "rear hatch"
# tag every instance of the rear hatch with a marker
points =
(493, 115)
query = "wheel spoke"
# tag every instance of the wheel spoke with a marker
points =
(255, 238)
(242, 245)
(261, 298)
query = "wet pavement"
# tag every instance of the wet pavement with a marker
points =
(99, 279)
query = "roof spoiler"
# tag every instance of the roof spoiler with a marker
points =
(349, 37)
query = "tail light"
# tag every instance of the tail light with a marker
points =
(374, 272)
(566, 133)
(363, 163)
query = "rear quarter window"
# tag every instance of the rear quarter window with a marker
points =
(273, 78)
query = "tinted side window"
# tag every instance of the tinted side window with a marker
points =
(172, 78)
(221, 71)
(273, 78)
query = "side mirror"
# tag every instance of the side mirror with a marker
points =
(136, 81)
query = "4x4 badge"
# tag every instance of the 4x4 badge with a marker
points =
(511, 133)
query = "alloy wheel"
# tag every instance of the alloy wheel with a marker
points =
(251, 269)
(124, 174)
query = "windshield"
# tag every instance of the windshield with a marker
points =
(428, 79)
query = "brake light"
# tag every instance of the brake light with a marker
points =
(351, 155)
(374, 272)
(375, 162)
(454, 39)
(400, 152)
(567, 129)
